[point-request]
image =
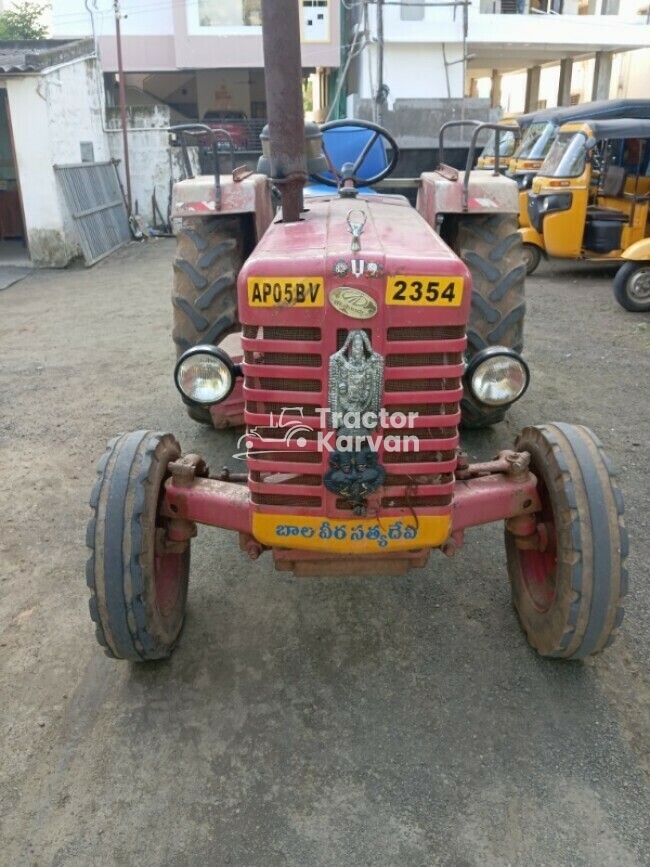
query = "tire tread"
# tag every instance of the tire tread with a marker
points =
(590, 516)
(491, 248)
(117, 537)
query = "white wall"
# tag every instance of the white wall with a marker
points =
(412, 71)
(51, 115)
(439, 24)
(630, 77)
(631, 74)
(151, 160)
(140, 18)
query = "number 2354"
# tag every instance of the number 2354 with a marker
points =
(425, 291)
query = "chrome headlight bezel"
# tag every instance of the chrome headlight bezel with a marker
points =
(221, 359)
(473, 372)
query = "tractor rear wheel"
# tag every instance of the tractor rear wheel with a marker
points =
(568, 590)
(210, 252)
(632, 286)
(491, 248)
(138, 586)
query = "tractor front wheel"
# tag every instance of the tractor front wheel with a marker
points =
(568, 581)
(491, 248)
(137, 580)
(632, 286)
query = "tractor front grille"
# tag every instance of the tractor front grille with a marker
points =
(286, 384)
(424, 366)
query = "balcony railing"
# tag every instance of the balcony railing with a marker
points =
(539, 7)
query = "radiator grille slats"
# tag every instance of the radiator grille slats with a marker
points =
(284, 389)
(423, 479)
(288, 424)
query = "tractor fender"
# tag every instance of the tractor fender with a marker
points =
(638, 252)
(247, 194)
(529, 235)
(441, 192)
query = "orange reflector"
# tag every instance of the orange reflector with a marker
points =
(559, 183)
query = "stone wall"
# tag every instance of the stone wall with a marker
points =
(415, 122)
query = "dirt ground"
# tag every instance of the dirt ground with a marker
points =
(303, 722)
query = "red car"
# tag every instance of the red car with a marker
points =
(233, 122)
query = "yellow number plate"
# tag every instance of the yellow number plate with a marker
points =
(286, 292)
(425, 291)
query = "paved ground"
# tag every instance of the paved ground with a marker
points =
(11, 274)
(303, 722)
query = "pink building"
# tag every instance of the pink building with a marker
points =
(200, 56)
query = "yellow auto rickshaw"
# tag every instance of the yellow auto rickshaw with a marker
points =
(542, 128)
(590, 201)
(508, 141)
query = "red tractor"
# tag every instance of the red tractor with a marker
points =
(352, 336)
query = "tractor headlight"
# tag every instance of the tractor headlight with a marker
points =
(497, 376)
(205, 375)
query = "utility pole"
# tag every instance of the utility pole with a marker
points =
(122, 91)
(381, 96)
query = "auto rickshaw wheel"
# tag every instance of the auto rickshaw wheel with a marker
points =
(137, 578)
(632, 286)
(532, 257)
(568, 580)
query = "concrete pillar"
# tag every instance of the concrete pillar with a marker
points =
(319, 80)
(564, 89)
(473, 88)
(532, 88)
(602, 75)
(495, 93)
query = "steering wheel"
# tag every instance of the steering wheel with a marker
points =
(349, 170)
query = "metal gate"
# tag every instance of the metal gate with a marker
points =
(94, 196)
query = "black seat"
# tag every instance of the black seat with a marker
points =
(594, 212)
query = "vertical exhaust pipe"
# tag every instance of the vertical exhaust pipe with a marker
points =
(283, 74)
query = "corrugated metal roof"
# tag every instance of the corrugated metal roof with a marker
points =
(35, 55)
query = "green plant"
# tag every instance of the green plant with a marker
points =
(24, 21)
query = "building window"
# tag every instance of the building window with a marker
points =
(409, 12)
(230, 13)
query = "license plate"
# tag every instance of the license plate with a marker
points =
(286, 292)
(425, 291)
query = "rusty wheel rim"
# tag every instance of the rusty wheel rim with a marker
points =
(168, 566)
(538, 569)
(168, 575)
(639, 286)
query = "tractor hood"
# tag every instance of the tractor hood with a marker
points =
(362, 242)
